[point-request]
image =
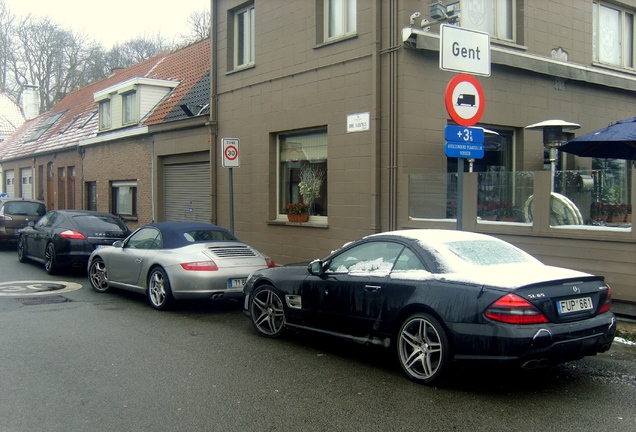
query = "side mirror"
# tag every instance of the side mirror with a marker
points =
(118, 244)
(315, 268)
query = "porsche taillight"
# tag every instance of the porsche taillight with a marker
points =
(608, 302)
(513, 309)
(270, 263)
(200, 266)
(73, 235)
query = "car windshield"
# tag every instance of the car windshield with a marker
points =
(487, 252)
(203, 235)
(24, 208)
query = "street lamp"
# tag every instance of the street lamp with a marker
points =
(552, 139)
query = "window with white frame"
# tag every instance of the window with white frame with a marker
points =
(495, 17)
(298, 152)
(244, 37)
(124, 198)
(340, 18)
(104, 114)
(129, 107)
(613, 35)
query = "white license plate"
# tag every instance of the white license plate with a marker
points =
(236, 283)
(574, 305)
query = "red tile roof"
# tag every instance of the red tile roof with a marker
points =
(186, 65)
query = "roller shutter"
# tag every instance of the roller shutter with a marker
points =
(27, 182)
(187, 192)
(9, 185)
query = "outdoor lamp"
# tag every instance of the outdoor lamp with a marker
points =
(552, 139)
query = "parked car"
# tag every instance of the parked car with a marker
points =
(66, 238)
(436, 297)
(170, 261)
(15, 214)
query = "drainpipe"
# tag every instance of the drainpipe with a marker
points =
(214, 118)
(392, 116)
(376, 127)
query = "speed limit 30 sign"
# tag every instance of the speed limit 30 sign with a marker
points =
(230, 152)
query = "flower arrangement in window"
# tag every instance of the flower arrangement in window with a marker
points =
(311, 180)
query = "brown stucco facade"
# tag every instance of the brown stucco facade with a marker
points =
(299, 81)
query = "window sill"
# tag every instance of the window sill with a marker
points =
(310, 224)
(241, 68)
(613, 68)
(335, 40)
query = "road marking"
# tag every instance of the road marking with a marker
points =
(36, 288)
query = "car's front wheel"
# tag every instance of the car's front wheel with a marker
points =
(98, 276)
(159, 291)
(266, 312)
(49, 259)
(22, 252)
(422, 348)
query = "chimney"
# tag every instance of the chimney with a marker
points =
(30, 102)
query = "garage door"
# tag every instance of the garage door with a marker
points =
(26, 175)
(9, 184)
(187, 192)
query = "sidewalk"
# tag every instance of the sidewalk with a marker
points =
(626, 328)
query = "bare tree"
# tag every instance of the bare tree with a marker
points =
(6, 30)
(38, 51)
(137, 50)
(199, 26)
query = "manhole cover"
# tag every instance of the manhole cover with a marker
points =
(28, 301)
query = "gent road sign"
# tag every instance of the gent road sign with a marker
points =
(464, 50)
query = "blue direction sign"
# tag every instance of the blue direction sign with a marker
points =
(464, 142)
(464, 134)
(463, 150)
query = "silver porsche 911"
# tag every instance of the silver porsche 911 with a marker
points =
(169, 261)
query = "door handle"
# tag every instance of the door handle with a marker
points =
(138, 260)
(371, 288)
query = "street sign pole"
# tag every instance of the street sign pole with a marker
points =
(460, 192)
(230, 160)
(231, 201)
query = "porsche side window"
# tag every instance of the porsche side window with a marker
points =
(372, 257)
(144, 239)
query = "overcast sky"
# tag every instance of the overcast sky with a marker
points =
(114, 21)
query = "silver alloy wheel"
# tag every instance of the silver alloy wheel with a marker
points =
(422, 348)
(267, 313)
(97, 275)
(159, 292)
(49, 259)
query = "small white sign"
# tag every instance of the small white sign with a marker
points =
(230, 152)
(358, 122)
(464, 50)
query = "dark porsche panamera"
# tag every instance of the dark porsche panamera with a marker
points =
(438, 297)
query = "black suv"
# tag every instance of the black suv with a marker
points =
(15, 214)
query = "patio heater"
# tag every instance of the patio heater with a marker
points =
(552, 139)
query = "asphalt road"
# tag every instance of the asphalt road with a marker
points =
(75, 360)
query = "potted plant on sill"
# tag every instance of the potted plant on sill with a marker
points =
(297, 212)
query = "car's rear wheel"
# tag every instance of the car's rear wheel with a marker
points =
(98, 276)
(159, 291)
(266, 312)
(422, 348)
(49, 259)
(22, 252)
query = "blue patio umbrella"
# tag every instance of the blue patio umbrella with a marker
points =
(616, 141)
